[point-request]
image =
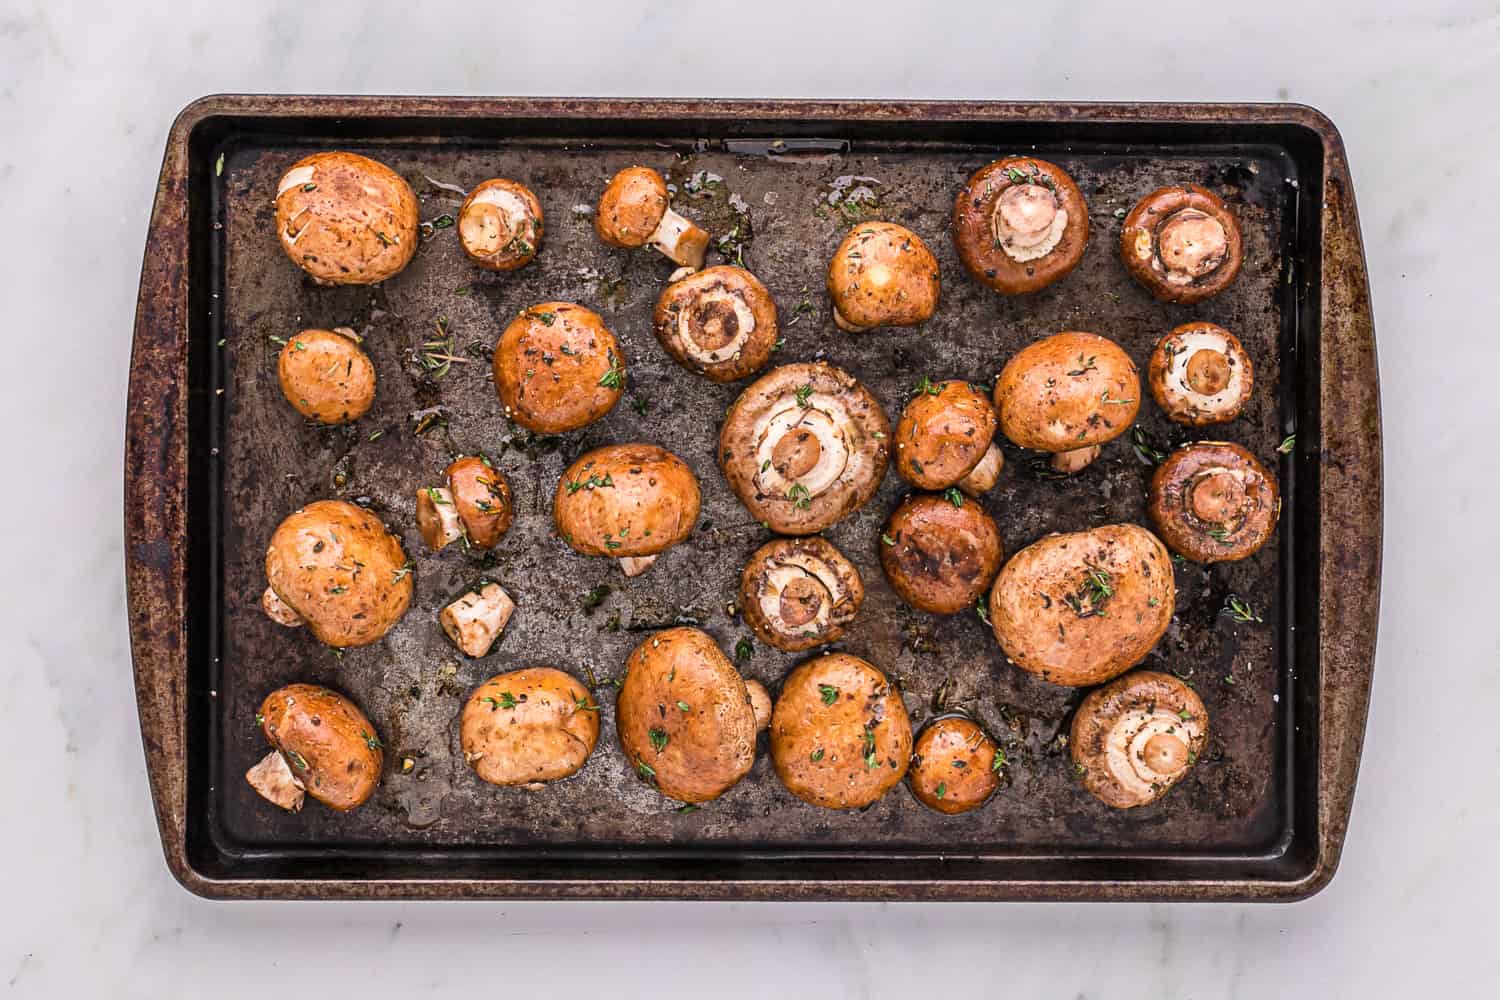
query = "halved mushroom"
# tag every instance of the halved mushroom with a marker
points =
(628, 502)
(720, 323)
(322, 745)
(1020, 224)
(798, 593)
(943, 437)
(528, 727)
(1212, 501)
(882, 274)
(326, 376)
(1182, 244)
(804, 446)
(1199, 374)
(1135, 737)
(477, 618)
(346, 219)
(940, 553)
(558, 368)
(634, 211)
(500, 224)
(955, 766)
(475, 505)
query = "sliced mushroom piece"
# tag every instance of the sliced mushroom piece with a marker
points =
(474, 621)
(798, 593)
(1135, 737)
(720, 322)
(274, 780)
(437, 517)
(500, 224)
(1212, 501)
(634, 211)
(1182, 243)
(983, 477)
(945, 432)
(882, 274)
(1020, 224)
(1200, 374)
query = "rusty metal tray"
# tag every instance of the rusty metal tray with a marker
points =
(215, 458)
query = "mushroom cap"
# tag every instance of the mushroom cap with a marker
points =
(1182, 243)
(797, 593)
(803, 446)
(482, 498)
(1212, 501)
(1200, 374)
(685, 717)
(330, 745)
(1019, 224)
(943, 554)
(1067, 391)
(1135, 737)
(558, 368)
(1046, 603)
(337, 567)
(326, 376)
(719, 322)
(346, 219)
(528, 726)
(883, 274)
(943, 434)
(953, 765)
(631, 207)
(625, 500)
(500, 224)
(840, 736)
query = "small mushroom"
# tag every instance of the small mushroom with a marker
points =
(955, 766)
(634, 211)
(943, 437)
(626, 501)
(1182, 243)
(346, 219)
(475, 505)
(558, 368)
(882, 274)
(528, 727)
(1020, 224)
(1213, 502)
(322, 745)
(720, 322)
(940, 553)
(1135, 737)
(326, 376)
(500, 225)
(1199, 374)
(474, 621)
(797, 593)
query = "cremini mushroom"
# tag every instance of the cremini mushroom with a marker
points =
(634, 211)
(720, 322)
(1182, 243)
(1135, 737)
(882, 274)
(528, 727)
(945, 437)
(797, 593)
(326, 376)
(558, 368)
(346, 219)
(1020, 224)
(475, 505)
(940, 552)
(629, 502)
(955, 766)
(500, 224)
(1212, 501)
(322, 745)
(474, 621)
(1199, 374)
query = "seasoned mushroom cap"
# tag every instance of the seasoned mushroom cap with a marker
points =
(331, 747)
(719, 322)
(1135, 737)
(631, 207)
(883, 274)
(1182, 244)
(482, 498)
(803, 446)
(1199, 374)
(943, 552)
(840, 736)
(798, 593)
(338, 568)
(685, 717)
(1020, 224)
(528, 726)
(558, 368)
(346, 219)
(955, 766)
(943, 434)
(626, 500)
(1066, 392)
(500, 224)
(1080, 608)
(1213, 502)
(326, 376)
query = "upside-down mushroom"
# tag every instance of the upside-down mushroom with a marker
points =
(1182, 244)
(1020, 224)
(1135, 737)
(955, 766)
(558, 368)
(346, 219)
(322, 745)
(882, 274)
(475, 505)
(500, 224)
(940, 553)
(634, 211)
(477, 618)
(1200, 374)
(1212, 501)
(326, 376)
(629, 502)
(719, 322)
(798, 593)
(945, 437)
(528, 727)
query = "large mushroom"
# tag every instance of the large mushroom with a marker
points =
(474, 506)
(346, 219)
(528, 727)
(882, 274)
(955, 766)
(1200, 374)
(945, 437)
(720, 322)
(1212, 501)
(326, 376)
(797, 593)
(1020, 224)
(477, 618)
(629, 502)
(803, 446)
(322, 745)
(940, 553)
(1182, 243)
(1135, 737)
(634, 211)
(500, 224)
(558, 368)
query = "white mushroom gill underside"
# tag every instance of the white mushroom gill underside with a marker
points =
(1178, 390)
(744, 326)
(826, 419)
(780, 576)
(1125, 747)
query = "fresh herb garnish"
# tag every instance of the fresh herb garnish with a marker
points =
(927, 387)
(659, 738)
(743, 650)
(954, 496)
(1287, 444)
(801, 499)
(803, 395)
(829, 693)
(371, 742)
(1239, 611)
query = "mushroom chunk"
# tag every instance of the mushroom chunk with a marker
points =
(328, 749)
(1213, 502)
(940, 553)
(558, 368)
(882, 274)
(528, 727)
(1182, 244)
(955, 766)
(634, 212)
(1080, 608)
(500, 225)
(1135, 737)
(326, 376)
(626, 501)
(336, 567)
(1020, 224)
(803, 446)
(476, 619)
(475, 505)
(798, 593)
(1199, 374)
(346, 219)
(840, 736)
(720, 323)
(944, 434)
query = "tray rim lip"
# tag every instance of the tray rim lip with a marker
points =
(155, 502)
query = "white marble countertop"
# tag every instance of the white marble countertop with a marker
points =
(85, 102)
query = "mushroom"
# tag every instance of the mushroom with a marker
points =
(1199, 374)
(1080, 608)
(500, 225)
(760, 703)
(1213, 502)
(798, 593)
(940, 553)
(1182, 243)
(803, 446)
(346, 219)
(558, 368)
(686, 719)
(528, 727)
(322, 745)
(334, 567)
(1066, 394)
(477, 618)
(1135, 737)
(720, 322)
(326, 376)
(634, 212)
(475, 506)
(1020, 224)
(955, 766)
(840, 736)
(882, 274)
(630, 502)
(945, 437)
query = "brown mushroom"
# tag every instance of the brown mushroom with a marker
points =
(634, 211)
(346, 219)
(955, 766)
(1199, 374)
(797, 593)
(945, 437)
(720, 322)
(882, 274)
(940, 553)
(1135, 737)
(528, 727)
(475, 505)
(627, 502)
(558, 368)
(1182, 243)
(322, 745)
(1020, 224)
(500, 224)
(803, 446)
(1213, 502)
(477, 618)
(326, 376)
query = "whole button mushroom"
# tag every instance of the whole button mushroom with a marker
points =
(1213, 502)
(1080, 608)
(629, 502)
(1020, 224)
(326, 376)
(477, 618)
(1199, 374)
(634, 211)
(474, 506)
(322, 745)
(500, 225)
(528, 727)
(346, 219)
(803, 446)
(798, 593)
(1135, 737)
(955, 766)
(882, 274)
(558, 368)
(940, 553)
(335, 568)
(1182, 244)
(945, 437)
(720, 322)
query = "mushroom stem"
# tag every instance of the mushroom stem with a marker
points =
(636, 565)
(1069, 462)
(437, 517)
(274, 781)
(476, 619)
(279, 611)
(844, 324)
(680, 239)
(760, 703)
(982, 478)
